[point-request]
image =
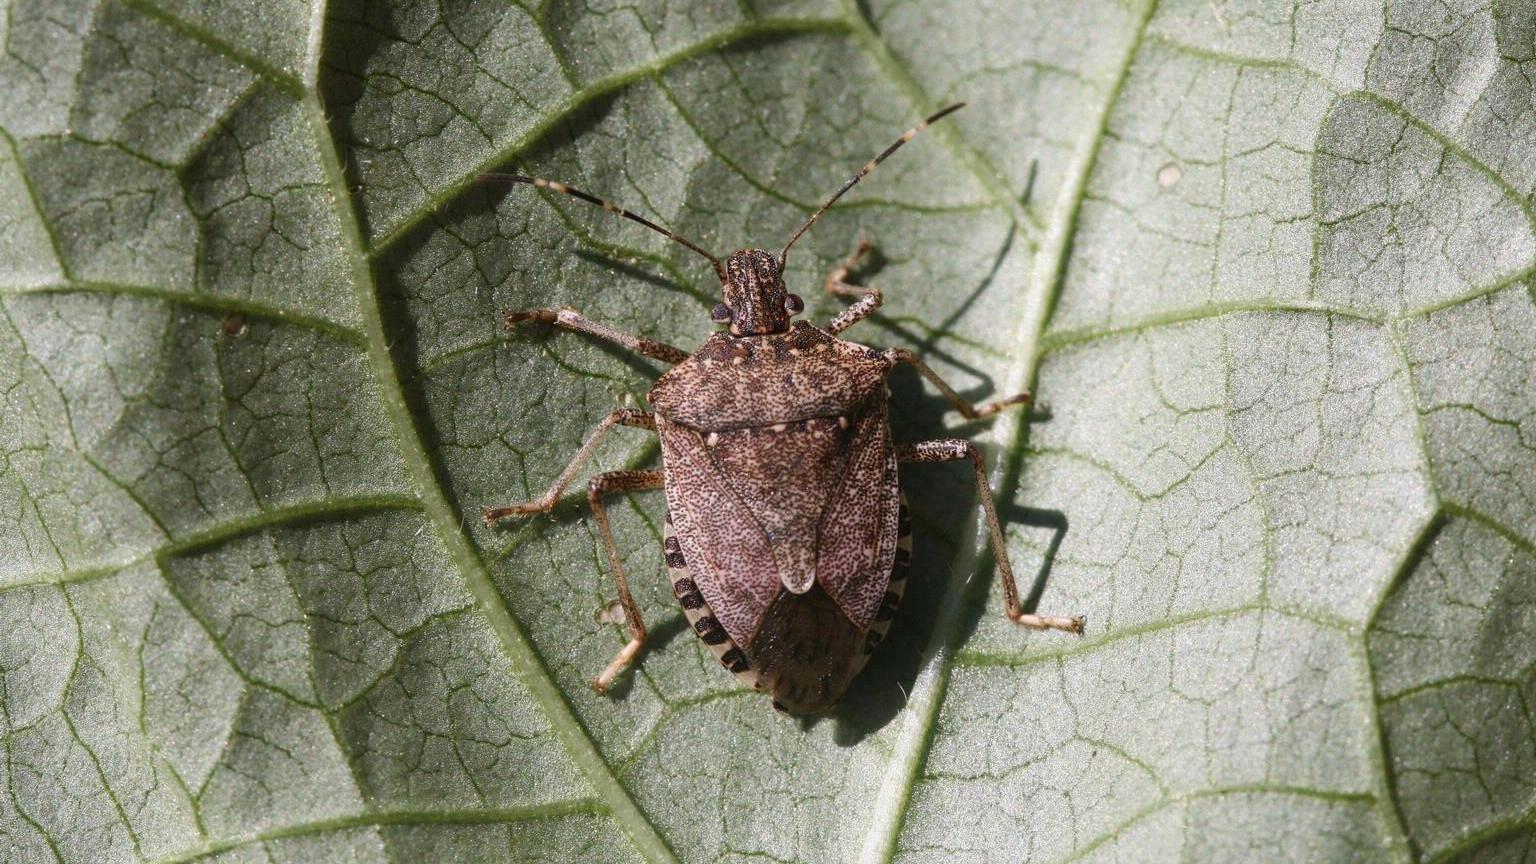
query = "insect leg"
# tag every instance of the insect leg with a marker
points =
(963, 405)
(952, 449)
(869, 299)
(621, 417)
(573, 320)
(607, 484)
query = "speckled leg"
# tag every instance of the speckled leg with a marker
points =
(608, 484)
(952, 449)
(963, 405)
(545, 502)
(573, 320)
(868, 299)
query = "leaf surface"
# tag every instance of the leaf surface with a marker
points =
(1270, 265)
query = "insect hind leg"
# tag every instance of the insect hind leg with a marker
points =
(953, 449)
(608, 484)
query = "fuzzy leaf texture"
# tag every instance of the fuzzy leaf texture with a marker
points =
(1270, 264)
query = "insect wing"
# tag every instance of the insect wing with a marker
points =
(726, 549)
(856, 544)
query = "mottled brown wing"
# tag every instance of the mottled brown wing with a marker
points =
(725, 536)
(785, 474)
(858, 532)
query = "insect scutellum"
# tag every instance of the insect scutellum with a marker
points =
(755, 301)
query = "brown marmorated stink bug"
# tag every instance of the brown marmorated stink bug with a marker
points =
(787, 536)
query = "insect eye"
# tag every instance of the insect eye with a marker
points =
(720, 314)
(793, 304)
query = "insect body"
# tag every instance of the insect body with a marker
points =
(787, 536)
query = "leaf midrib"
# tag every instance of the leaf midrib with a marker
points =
(525, 661)
(928, 692)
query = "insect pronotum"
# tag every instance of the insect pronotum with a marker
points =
(787, 536)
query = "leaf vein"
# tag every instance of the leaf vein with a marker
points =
(525, 661)
(911, 746)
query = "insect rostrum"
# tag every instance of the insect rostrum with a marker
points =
(787, 536)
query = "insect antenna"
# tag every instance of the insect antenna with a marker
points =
(611, 207)
(868, 167)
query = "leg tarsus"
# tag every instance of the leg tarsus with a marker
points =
(952, 449)
(510, 318)
(1069, 623)
(546, 502)
(969, 410)
(608, 484)
(573, 320)
(620, 662)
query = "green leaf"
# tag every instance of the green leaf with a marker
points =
(1270, 265)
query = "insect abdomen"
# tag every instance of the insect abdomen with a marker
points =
(806, 649)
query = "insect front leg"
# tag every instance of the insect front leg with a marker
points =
(545, 502)
(952, 449)
(573, 320)
(868, 299)
(963, 405)
(608, 484)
